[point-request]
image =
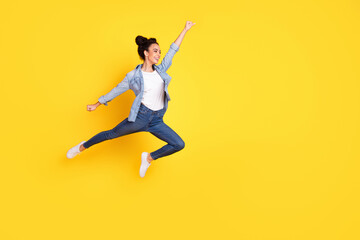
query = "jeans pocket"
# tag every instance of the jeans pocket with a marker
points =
(142, 110)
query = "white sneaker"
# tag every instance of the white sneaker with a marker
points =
(74, 150)
(144, 164)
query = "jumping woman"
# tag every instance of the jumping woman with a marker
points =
(150, 85)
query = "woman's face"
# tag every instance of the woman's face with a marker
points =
(153, 55)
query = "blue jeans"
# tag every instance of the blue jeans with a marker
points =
(147, 120)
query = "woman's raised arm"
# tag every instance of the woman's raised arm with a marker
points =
(188, 25)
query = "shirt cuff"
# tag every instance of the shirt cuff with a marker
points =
(174, 46)
(102, 100)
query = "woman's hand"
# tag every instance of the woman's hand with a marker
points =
(92, 107)
(188, 25)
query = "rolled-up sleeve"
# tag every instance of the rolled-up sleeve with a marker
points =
(174, 47)
(122, 87)
(102, 100)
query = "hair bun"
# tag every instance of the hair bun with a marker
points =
(140, 40)
(143, 45)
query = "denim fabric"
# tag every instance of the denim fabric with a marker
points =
(147, 120)
(134, 80)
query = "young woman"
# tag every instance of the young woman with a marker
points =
(150, 85)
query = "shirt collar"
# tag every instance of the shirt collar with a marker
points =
(139, 66)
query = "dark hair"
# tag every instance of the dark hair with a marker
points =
(144, 44)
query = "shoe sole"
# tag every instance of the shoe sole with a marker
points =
(143, 156)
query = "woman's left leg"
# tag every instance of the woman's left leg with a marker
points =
(165, 133)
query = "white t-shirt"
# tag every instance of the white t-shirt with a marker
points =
(154, 91)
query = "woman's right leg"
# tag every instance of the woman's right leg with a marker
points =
(123, 128)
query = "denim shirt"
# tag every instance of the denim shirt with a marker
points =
(134, 80)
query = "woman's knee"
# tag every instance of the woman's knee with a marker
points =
(180, 144)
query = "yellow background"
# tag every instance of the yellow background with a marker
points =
(265, 95)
